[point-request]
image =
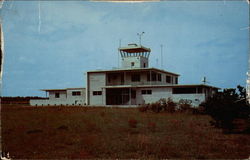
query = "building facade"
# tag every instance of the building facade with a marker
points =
(134, 83)
(57, 97)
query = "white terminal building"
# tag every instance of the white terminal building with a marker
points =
(134, 83)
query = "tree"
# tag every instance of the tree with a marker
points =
(224, 107)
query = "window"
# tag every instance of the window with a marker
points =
(57, 95)
(133, 94)
(112, 76)
(96, 93)
(168, 79)
(76, 93)
(146, 91)
(199, 90)
(159, 77)
(148, 77)
(153, 76)
(176, 80)
(144, 65)
(135, 77)
(132, 64)
(189, 90)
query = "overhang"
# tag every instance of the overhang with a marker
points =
(133, 70)
(134, 49)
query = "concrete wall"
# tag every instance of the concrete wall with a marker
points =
(65, 98)
(138, 62)
(157, 93)
(195, 99)
(76, 99)
(95, 83)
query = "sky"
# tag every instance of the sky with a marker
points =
(52, 44)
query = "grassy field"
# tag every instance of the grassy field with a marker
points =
(86, 132)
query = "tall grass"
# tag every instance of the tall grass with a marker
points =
(88, 132)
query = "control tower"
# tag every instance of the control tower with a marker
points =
(134, 56)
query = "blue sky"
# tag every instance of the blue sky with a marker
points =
(53, 48)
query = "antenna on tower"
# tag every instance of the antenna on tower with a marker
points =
(140, 34)
(204, 80)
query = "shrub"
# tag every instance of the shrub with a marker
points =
(144, 107)
(170, 106)
(132, 123)
(156, 107)
(226, 106)
(184, 105)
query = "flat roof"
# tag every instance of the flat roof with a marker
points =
(134, 48)
(133, 69)
(61, 89)
(161, 86)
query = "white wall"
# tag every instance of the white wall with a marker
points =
(96, 82)
(65, 98)
(157, 93)
(76, 99)
(196, 99)
(138, 62)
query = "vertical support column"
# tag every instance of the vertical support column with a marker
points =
(130, 97)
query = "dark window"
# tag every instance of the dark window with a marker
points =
(168, 79)
(148, 77)
(146, 91)
(135, 77)
(57, 95)
(199, 89)
(76, 93)
(133, 94)
(176, 80)
(132, 63)
(159, 77)
(111, 77)
(153, 76)
(144, 65)
(95, 93)
(189, 90)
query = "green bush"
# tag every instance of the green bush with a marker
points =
(224, 107)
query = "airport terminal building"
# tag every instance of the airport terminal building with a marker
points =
(134, 83)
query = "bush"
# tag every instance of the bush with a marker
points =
(184, 105)
(144, 107)
(156, 107)
(226, 106)
(160, 105)
(170, 106)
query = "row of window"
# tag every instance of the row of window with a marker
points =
(136, 77)
(74, 93)
(153, 77)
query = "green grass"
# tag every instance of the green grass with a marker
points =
(88, 132)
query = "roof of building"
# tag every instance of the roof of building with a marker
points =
(133, 69)
(62, 89)
(161, 86)
(134, 48)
